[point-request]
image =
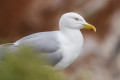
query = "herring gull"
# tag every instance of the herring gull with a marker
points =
(61, 48)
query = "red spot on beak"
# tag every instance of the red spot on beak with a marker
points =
(91, 29)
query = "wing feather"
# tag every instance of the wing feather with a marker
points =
(45, 42)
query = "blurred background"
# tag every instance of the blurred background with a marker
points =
(101, 52)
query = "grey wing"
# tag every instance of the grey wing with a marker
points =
(45, 42)
(53, 58)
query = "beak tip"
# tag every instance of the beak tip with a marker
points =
(95, 30)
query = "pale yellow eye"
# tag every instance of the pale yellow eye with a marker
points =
(77, 19)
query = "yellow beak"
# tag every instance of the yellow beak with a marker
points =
(90, 27)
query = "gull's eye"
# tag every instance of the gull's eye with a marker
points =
(77, 19)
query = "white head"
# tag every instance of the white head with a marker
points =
(74, 21)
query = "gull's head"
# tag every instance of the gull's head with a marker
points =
(74, 21)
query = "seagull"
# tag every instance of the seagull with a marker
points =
(61, 48)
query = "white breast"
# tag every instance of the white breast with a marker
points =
(71, 48)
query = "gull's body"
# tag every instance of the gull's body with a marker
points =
(60, 48)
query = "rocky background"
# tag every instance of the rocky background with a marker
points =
(100, 56)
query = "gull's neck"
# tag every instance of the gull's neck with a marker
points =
(71, 33)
